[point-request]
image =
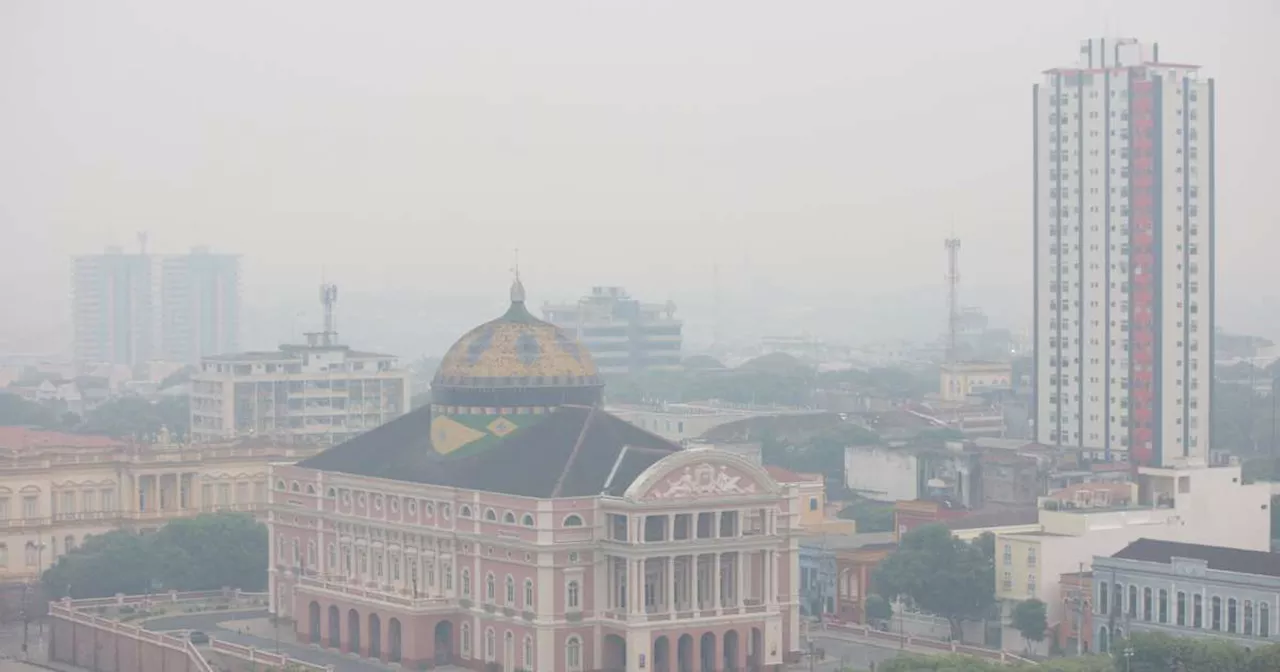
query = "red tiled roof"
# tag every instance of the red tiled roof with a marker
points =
(19, 438)
(783, 475)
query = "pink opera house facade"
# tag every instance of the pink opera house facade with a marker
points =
(514, 525)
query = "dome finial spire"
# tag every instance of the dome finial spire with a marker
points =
(517, 287)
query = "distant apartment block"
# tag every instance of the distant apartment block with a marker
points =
(321, 392)
(199, 305)
(623, 335)
(113, 307)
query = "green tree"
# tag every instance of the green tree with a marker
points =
(202, 553)
(14, 410)
(137, 418)
(878, 608)
(939, 574)
(1031, 620)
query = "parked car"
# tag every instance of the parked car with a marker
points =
(198, 637)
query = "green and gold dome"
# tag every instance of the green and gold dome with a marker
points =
(507, 374)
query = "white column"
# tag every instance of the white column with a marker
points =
(740, 570)
(671, 584)
(770, 570)
(715, 576)
(695, 583)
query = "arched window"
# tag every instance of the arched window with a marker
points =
(1248, 617)
(1264, 619)
(1162, 607)
(490, 588)
(464, 512)
(491, 515)
(1146, 604)
(311, 553)
(511, 590)
(466, 640)
(333, 557)
(573, 520)
(331, 493)
(573, 595)
(527, 521)
(465, 577)
(509, 648)
(4, 556)
(280, 485)
(1215, 613)
(1102, 639)
(526, 659)
(311, 489)
(573, 654)
(1103, 596)
(1133, 601)
(448, 576)
(1197, 611)
(490, 645)
(509, 518)
(1231, 615)
(294, 487)
(528, 594)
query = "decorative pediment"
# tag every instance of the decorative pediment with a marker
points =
(702, 480)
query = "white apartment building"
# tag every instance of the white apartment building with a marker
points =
(199, 305)
(112, 308)
(1124, 243)
(315, 393)
(622, 334)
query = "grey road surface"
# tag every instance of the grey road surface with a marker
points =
(208, 623)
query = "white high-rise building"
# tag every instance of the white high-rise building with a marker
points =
(112, 307)
(1124, 246)
(199, 305)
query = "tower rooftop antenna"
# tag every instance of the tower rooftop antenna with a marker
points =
(329, 299)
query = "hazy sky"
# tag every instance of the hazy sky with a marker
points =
(821, 144)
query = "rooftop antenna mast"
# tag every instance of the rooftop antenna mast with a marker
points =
(953, 306)
(329, 299)
(142, 243)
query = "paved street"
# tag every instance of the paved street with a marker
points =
(209, 623)
(844, 654)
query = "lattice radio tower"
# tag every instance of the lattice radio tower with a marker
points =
(953, 298)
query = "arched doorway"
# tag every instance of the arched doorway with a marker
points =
(707, 653)
(375, 636)
(662, 654)
(313, 615)
(731, 645)
(684, 654)
(755, 659)
(353, 631)
(443, 643)
(1103, 644)
(335, 628)
(393, 640)
(615, 653)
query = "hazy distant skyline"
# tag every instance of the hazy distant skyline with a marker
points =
(826, 146)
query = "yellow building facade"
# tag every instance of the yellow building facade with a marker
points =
(56, 489)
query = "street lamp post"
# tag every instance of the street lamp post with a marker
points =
(1128, 658)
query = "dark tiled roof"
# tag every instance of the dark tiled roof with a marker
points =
(1218, 557)
(782, 425)
(571, 453)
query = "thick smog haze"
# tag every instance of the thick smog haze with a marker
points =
(816, 153)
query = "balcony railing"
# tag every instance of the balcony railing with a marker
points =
(353, 590)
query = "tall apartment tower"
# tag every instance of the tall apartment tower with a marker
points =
(623, 335)
(112, 307)
(199, 305)
(1124, 248)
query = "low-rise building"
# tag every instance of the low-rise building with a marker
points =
(1187, 590)
(56, 489)
(1098, 520)
(961, 380)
